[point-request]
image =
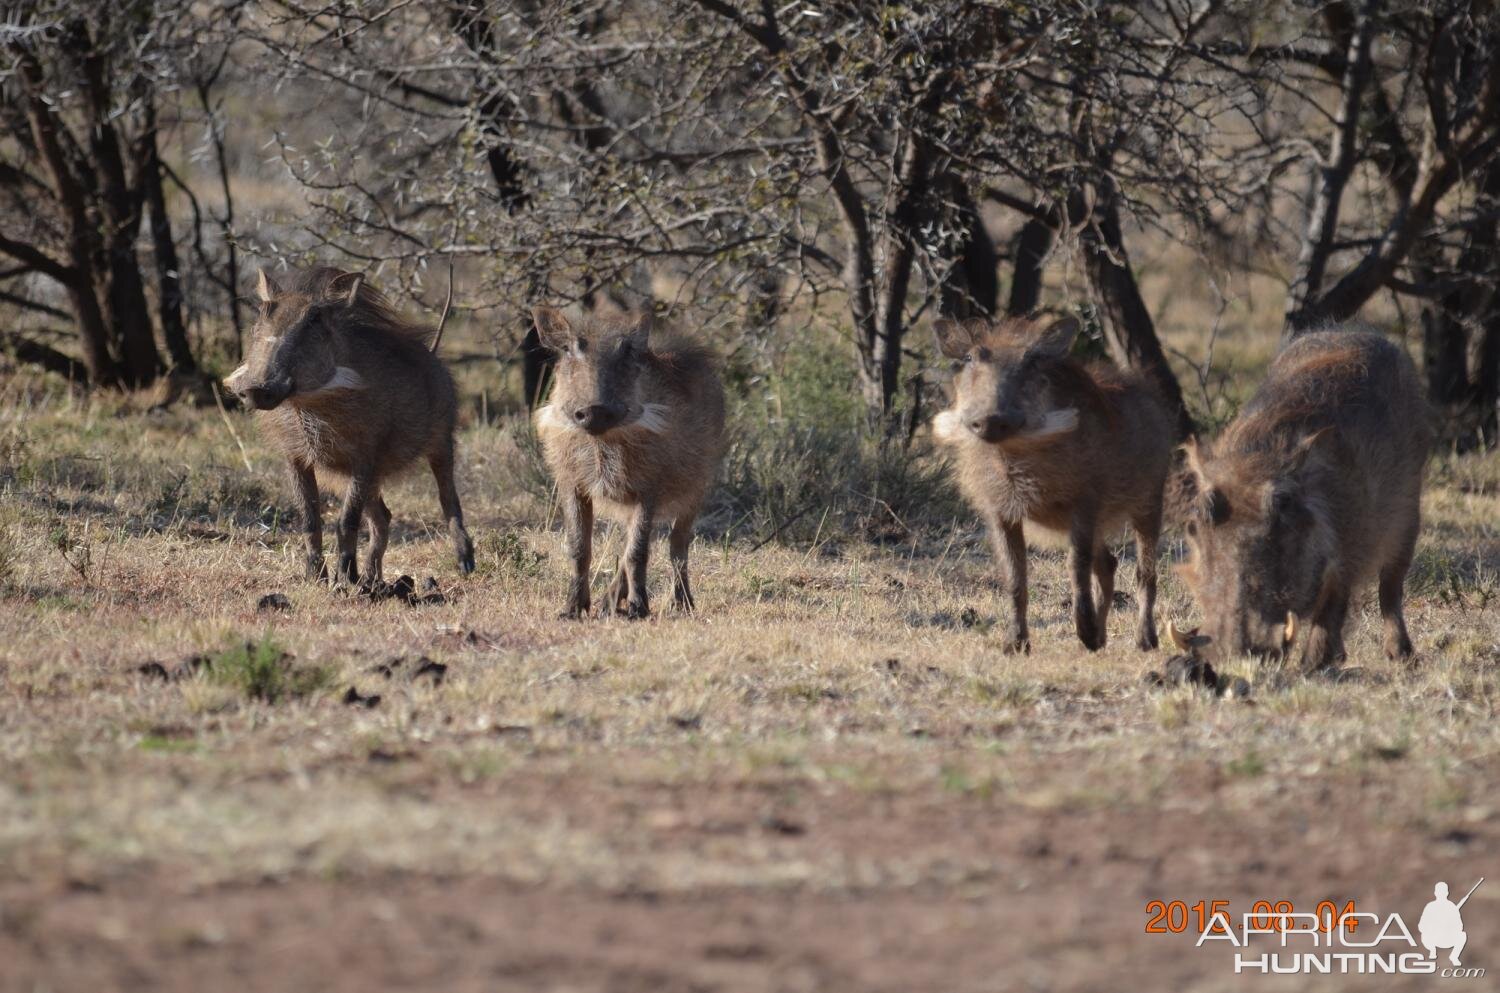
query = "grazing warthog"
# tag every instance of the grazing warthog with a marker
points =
(343, 384)
(1310, 493)
(637, 429)
(1074, 448)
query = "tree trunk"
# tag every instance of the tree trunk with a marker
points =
(1481, 264)
(1032, 245)
(971, 287)
(1487, 369)
(1305, 305)
(1127, 323)
(124, 293)
(168, 271)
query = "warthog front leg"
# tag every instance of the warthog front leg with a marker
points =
(637, 551)
(306, 481)
(617, 591)
(1105, 564)
(361, 485)
(1147, 532)
(578, 520)
(1325, 637)
(1081, 567)
(1010, 555)
(1397, 642)
(379, 517)
(678, 544)
(442, 471)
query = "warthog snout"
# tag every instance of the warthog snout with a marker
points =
(597, 418)
(995, 428)
(269, 395)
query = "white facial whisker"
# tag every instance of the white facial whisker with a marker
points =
(653, 418)
(1055, 422)
(550, 417)
(343, 378)
(946, 427)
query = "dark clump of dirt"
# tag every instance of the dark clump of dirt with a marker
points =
(428, 669)
(273, 602)
(404, 588)
(965, 619)
(1192, 670)
(354, 698)
(421, 667)
(189, 666)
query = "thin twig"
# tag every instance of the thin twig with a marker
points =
(780, 528)
(230, 425)
(447, 306)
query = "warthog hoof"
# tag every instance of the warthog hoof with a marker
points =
(636, 611)
(1091, 636)
(1014, 644)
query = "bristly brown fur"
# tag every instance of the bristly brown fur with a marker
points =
(1082, 449)
(635, 428)
(1311, 493)
(358, 395)
(371, 312)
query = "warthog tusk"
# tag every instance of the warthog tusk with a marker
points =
(1182, 639)
(1290, 634)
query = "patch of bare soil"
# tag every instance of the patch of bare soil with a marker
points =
(1039, 899)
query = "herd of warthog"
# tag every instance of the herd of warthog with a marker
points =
(1311, 493)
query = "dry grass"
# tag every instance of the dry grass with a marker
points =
(686, 756)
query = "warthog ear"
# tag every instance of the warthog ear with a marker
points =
(1216, 506)
(1304, 448)
(553, 328)
(640, 328)
(265, 287)
(1211, 503)
(954, 338)
(1056, 338)
(345, 287)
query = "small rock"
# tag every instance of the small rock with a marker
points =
(969, 618)
(687, 722)
(403, 589)
(429, 586)
(353, 698)
(273, 602)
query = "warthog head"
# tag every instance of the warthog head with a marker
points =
(293, 352)
(1260, 544)
(597, 382)
(1012, 386)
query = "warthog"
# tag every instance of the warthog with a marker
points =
(343, 384)
(636, 428)
(1310, 493)
(1073, 448)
